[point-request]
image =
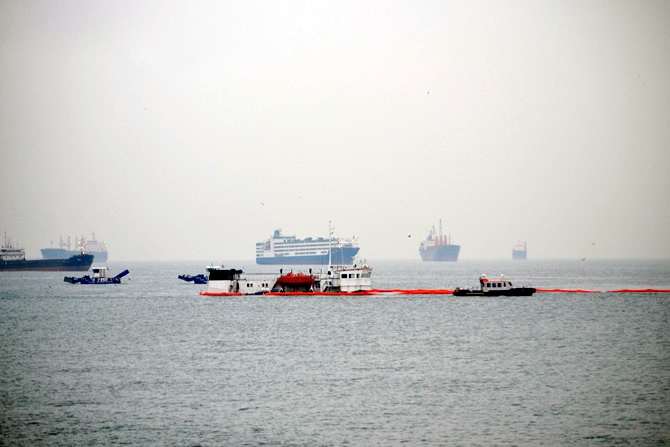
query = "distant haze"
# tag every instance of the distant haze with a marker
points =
(192, 130)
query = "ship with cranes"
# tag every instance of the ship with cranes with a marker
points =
(438, 247)
(519, 252)
(13, 259)
(64, 250)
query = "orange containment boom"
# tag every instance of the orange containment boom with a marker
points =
(567, 291)
(604, 291)
(640, 291)
(362, 292)
(427, 292)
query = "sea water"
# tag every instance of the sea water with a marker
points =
(151, 362)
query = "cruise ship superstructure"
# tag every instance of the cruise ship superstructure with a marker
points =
(289, 250)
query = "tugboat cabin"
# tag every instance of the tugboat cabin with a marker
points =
(99, 274)
(494, 284)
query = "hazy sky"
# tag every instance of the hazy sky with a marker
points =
(191, 130)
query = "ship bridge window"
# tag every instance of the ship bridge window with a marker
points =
(222, 275)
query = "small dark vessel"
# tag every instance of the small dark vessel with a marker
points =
(99, 277)
(495, 287)
(196, 279)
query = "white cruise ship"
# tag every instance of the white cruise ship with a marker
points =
(289, 250)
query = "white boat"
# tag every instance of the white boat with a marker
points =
(346, 279)
(223, 281)
(338, 279)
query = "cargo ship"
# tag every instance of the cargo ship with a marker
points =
(13, 259)
(289, 250)
(91, 247)
(519, 252)
(438, 248)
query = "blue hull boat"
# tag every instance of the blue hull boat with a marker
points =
(99, 277)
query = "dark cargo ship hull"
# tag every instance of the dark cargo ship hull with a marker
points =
(78, 263)
(441, 253)
(61, 253)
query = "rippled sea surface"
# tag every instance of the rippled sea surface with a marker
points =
(151, 362)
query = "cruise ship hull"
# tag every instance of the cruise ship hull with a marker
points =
(339, 256)
(441, 253)
(77, 263)
(61, 253)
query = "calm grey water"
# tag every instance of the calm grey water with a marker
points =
(150, 362)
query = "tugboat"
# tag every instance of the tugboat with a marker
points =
(495, 287)
(99, 277)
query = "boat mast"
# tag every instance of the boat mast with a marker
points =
(330, 238)
(440, 239)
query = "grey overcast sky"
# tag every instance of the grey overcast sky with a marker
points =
(191, 130)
